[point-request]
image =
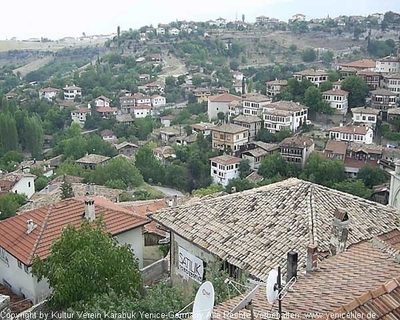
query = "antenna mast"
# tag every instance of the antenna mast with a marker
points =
(279, 284)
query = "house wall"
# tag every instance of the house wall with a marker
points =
(392, 85)
(367, 119)
(351, 137)
(214, 108)
(338, 102)
(26, 185)
(394, 193)
(221, 175)
(141, 113)
(102, 103)
(166, 123)
(178, 278)
(22, 282)
(134, 238)
(388, 66)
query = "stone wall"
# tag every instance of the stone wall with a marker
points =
(155, 271)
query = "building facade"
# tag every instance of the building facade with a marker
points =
(359, 134)
(338, 99)
(224, 168)
(296, 150)
(229, 137)
(284, 115)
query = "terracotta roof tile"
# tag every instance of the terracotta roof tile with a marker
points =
(51, 220)
(350, 282)
(226, 159)
(92, 158)
(225, 97)
(350, 129)
(248, 234)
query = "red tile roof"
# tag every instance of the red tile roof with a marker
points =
(225, 97)
(337, 147)
(226, 159)
(336, 282)
(358, 164)
(360, 64)
(142, 107)
(381, 303)
(51, 220)
(351, 129)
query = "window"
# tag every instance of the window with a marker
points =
(29, 184)
(26, 269)
(19, 264)
(3, 256)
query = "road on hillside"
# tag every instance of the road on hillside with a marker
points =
(169, 192)
(172, 67)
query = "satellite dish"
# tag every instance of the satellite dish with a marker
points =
(245, 301)
(204, 302)
(272, 287)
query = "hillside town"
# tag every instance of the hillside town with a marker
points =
(173, 157)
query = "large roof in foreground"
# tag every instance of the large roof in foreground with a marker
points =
(255, 229)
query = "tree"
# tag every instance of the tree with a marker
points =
(356, 188)
(150, 168)
(234, 65)
(85, 262)
(358, 90)
(250, 86)
(372, 176)
(293, 48)
(244, 168)
(9, 204)
(272, 166)
(313, 100)
(323, 171)
(266, 136)
(327, 57)
(308, 55)
(214, 188)
(119, 35)
(239, 185)
(8, 133)
(40, 183)
(170, 81)
(66, 189)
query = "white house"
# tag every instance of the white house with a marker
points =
(314, 76)
(220, 103)
(224, 168)
(253, 104)
(173, 31)
(390, 64)
(338, 99)
(359, 134)
(140, 98)
(203, 127)
(160, 31)
(80, 115)
(296, 149)
(18, 182)
(391, 82)
(284, 115)
(299, 17)
(237, 75)
(32, 233)
(166, 120)
(158, 101)
(142, 111)
(109, 136)
(365, 116)
(275, 87)
(71, 92)
(102, 101)
(48, 93)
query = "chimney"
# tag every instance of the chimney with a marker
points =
(90, 214)
(175, 200)
(170, 202)
(312, 257)
(292, 258)
(233, 189)
(30, 226)
(340, 231)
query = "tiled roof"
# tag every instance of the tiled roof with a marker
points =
(93, 158)
(82, 110)
(229, 128)
(203, 126)
(266, 146)
(226, 159)
(297, 142)
(382, 92)
(287, 106)
(336, 92)
(51, 220)
(225, 97)
(106, 109)
(254, 177)
(256, 98)
(350, 129)
(254, 229)
(394, 111)
(48, 89)
(247, 119)
(257, 152)
(336, 283)
(383, 303)
(363, 63)
(312, 72)
(358, 164)
(367, 148)
(125, 144)
(392, 76)
(142, 107)
(72, 88)
(278, 82)
(337, 147)
(103, 98)
(364, 110)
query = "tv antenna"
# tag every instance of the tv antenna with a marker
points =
(203, 303)
(246, 303)
(275, 291)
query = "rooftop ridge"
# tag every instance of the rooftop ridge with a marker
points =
(381, 244)
(369, 296)
(44, 226)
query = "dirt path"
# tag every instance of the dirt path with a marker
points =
(34, 65)
(172, 67)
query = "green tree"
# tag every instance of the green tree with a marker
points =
(85, 262)
(234, 65)
(175, 176)
(358, 90)
(250, 86)
(8, 133)
(214, 188)
(239, 185)
(150, 168)
(118, 172)
(323, 171)
(40, 183)
(272, 166)
(293, 48)
(327, 57)
(313, 100)
(33, 136)
(244, 168)
(9, 204)
(308, 55)
(356, 187)
(66, 189)
(372, 176)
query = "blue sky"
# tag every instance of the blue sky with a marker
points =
(53, 19)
